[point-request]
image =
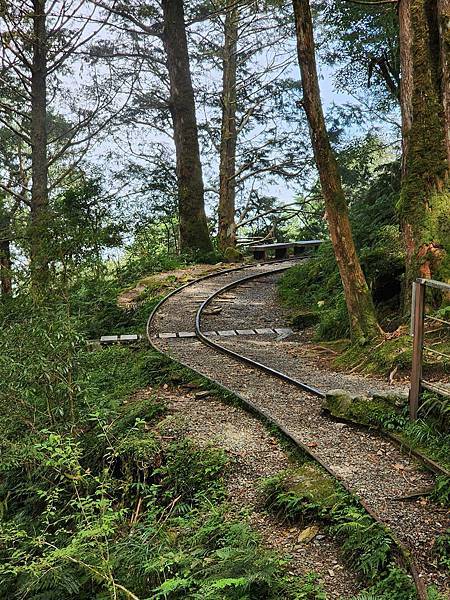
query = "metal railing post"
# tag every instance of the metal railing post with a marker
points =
(418, 306)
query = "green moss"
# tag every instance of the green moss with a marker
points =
(378, 358)
(378, 410)
(304, 319)
(138, 451)
(423, 204)
(232, 255)
(304, 493)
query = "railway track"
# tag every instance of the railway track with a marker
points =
(369, 466)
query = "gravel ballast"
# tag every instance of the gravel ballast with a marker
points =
(371, 466)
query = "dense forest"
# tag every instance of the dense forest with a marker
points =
(145, 144)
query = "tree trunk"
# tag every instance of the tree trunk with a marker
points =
(39, 166)
(444, 37)
(424, 201)
(191, 204)
(227, 188)
(5, 258)
(363, 322)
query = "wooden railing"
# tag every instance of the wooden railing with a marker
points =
(418, 318)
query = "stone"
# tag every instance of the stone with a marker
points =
(232, 255)
(308, 534)
(392, 399)
(338, 402)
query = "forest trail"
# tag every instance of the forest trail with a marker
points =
(370, 466)
(256, 454)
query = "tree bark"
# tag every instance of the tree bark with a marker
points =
(444, 37)
(191, 204)
(5, 257)
(227, 169)
(39, 164)
(424, 200)
(363, 322)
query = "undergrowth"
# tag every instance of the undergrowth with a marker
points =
(96, 501)
(309, 495)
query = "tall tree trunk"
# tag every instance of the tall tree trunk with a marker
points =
(191, 204)
(425, 200)
(444, 36)
(227, 188)
(5, 257)
(39, 165)
(363, 322)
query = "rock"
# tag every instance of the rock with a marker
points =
(392, 399)
(338, 402)
(304, 320)
(308, 534)
(358, 408)
(202, 394)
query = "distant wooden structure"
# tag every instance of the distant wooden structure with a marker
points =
(281, 250)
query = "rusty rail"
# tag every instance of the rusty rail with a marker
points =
(418, 318)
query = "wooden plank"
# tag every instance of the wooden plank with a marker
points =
(109, 339)
(308, 243)
(439, 388)
(439, 285)
(276, 245)
(129, 338)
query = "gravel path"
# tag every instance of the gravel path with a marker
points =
(256, 304)
(373, 468)
(257, 454)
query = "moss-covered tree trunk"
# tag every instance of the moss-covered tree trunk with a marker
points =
(363, 322)
(194, 233)
(444, 38)
(227, 187)
(424, 205)
(38, 230)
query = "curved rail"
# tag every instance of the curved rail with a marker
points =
(253, 363)
(429, 463)
(403, 552)
(204, 278)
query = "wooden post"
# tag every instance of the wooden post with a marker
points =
(416, 371)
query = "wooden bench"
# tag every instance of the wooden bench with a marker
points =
(281, 249)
